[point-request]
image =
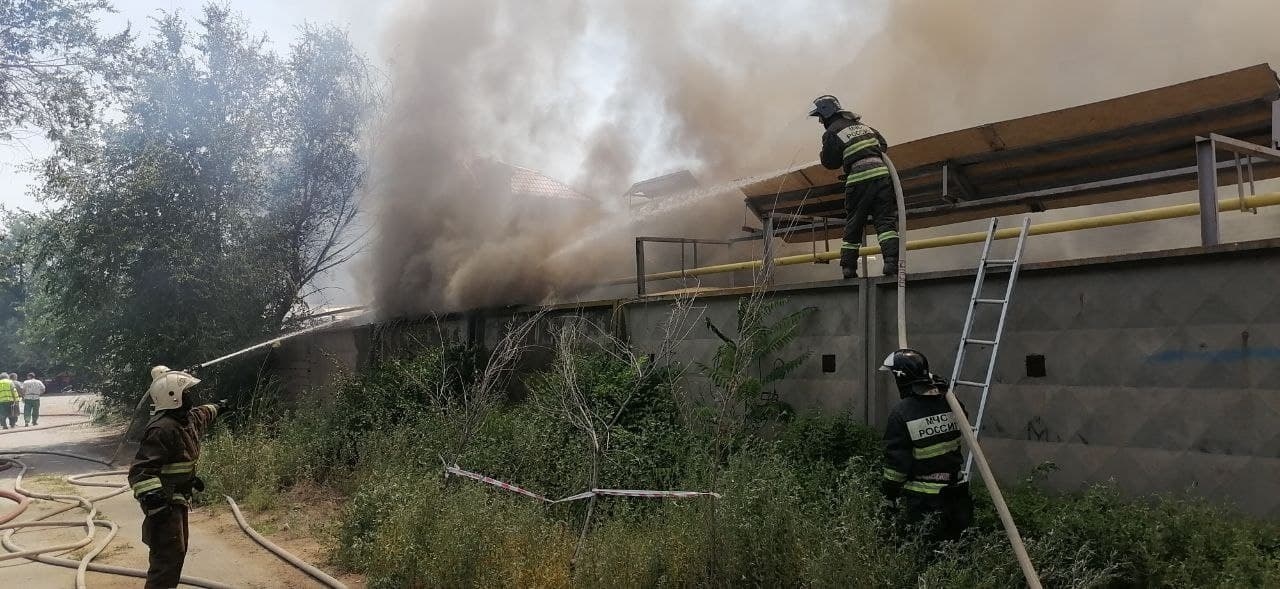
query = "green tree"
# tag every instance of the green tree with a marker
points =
(327, 99)
(183, 225)
(741, 395)
(18, 233)
(55, 67)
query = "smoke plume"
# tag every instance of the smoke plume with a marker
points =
(602, 94)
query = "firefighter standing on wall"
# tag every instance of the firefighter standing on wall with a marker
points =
(163, 475)
(856, 148)
(922, 453)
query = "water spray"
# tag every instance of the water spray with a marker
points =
(273, 342)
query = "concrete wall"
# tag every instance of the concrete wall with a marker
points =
(1163, 369)
(308, 364)
(836, 326)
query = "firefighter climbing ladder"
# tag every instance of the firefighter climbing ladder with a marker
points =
(985, 263)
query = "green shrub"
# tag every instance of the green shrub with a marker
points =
(800, 508)
(830, 439)
(647, 445)
(1163, 541)
(405, 529)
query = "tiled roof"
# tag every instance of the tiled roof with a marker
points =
(529, 182)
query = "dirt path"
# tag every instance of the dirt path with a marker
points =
(219, 550)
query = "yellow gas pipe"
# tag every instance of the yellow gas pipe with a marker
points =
(1156, 214)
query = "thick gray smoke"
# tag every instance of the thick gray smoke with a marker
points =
(522, 83)
(606, 93)
(940, 66)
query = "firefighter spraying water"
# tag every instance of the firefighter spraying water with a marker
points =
(858, 149)
(163, 476)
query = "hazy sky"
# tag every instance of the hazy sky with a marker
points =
(278, 19)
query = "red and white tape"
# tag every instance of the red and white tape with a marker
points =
(495, 482)
(583, 495)
(656, 494)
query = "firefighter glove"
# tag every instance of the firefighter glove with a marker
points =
(153, 502)
(198, 484)
(940, 383)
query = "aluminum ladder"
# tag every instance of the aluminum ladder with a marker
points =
(985, 263)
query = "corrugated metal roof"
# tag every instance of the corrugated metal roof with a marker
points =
(673, 183)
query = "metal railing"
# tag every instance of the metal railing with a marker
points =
(1112, 220)
(1206, 208)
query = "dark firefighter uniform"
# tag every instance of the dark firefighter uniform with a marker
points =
(922, 460)
(163, 477)
(857, 148)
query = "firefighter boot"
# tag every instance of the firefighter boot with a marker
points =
(849, 263)
(889, 249)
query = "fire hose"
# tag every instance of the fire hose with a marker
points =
(298, 563)
(42, 427)
(22, 496)
(966, 430)
(902, 252)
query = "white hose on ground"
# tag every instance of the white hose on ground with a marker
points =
(22, 501)
(54, 453)
(109, 569)
(86, 562)
(9, 528)
(902, 252)
(301, 565)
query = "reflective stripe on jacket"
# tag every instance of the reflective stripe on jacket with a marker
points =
(170, 448)
(922, 445)
(854, 147)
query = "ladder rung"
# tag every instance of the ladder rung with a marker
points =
(1001, 262)
(991, 301)
(981, 342)
(970, 383)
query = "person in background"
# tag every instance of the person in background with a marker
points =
(8, 402)
(32, 389)
(17, 388)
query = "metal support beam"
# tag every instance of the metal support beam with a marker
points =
(871, 327)
(1275, 124)
(818, 224)
(1244, 147)
(768, 247)
(683, 240)
(1207, 175)
(965, 190)
(640, 276)
(946, 185)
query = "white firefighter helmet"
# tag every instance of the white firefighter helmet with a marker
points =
(167, 387)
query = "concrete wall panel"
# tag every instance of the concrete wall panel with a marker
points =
(1162, 370)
